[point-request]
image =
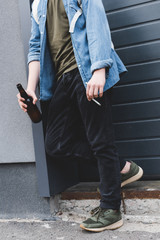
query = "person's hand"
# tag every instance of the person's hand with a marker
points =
(21, 100)
(96, 84)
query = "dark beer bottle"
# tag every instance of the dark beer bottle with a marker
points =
(32, 109)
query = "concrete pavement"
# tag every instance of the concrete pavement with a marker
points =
(60, 230)
(141, 222)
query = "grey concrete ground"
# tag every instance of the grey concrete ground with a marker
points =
(60, 230)
(141, 222)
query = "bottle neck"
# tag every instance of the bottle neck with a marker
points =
(22, 91)
(23, 94)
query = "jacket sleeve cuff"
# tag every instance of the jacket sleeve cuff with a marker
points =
(33, 58)
(101, 64)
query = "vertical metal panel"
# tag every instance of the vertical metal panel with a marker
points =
(41, 164)
(136, 101)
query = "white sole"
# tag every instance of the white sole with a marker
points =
(134, 178)
(110, 227)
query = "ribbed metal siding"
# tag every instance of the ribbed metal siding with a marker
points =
(135, 28)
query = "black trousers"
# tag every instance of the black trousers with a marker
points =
(78, 127)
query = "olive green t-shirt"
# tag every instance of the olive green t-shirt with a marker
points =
(59, 38)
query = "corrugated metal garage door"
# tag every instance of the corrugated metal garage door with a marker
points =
(135, 27)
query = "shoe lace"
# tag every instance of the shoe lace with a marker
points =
(97, 211)
(94, 211)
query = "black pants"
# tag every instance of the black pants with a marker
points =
(77, 127)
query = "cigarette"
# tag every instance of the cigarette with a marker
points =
(95, 100)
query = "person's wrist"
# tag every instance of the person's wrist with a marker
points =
(99, 71)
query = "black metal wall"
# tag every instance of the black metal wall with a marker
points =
(135, 27)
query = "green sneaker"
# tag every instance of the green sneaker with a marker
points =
(103, 219)
(133, 175)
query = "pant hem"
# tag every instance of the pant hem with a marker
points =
(109, 206)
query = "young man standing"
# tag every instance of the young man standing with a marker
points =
(73, 59)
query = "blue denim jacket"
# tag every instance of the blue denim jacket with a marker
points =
(91, 39)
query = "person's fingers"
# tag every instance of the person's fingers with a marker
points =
(33, 95)
(18, 95)
(20, 98)
(101, 91)
(95, 94)
(34, 99)
(23, 106)
(91, 91)
(21, 102)
(87, 91)
(24, 109)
